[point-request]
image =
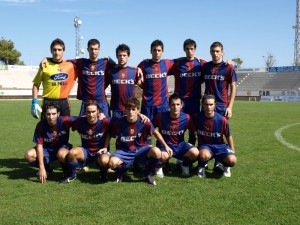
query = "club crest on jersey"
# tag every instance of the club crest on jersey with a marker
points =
(131, 131)
(123, 75)
(59, 76)
(90, 132)
(54, 134)
(189, 68)
(93, 67)
(173, 126)
(155, 69)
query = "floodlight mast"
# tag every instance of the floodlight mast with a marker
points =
(297, 35)
(78, 37)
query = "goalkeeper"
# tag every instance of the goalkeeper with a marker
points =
(57, 79)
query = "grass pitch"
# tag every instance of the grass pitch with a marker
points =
(264, 187)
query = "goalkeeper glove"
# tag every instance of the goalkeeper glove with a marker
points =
(35, 108)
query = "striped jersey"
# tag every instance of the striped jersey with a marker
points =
(53, 137)
(130, 136)
(155, 85)
(217, 79)
(211, 130)
(92, 135)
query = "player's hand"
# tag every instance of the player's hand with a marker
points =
(169, 151)
(101, 151)
(43, 176)
(101, 116)
(43, 63)
(228, 112)
(35, 108)
(228, 62)
(144, 118)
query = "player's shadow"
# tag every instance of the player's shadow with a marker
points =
(16, 168)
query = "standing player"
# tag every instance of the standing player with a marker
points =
(219, 78)
(211, 127)
(92, 131)
(172, 125)
(122, 80)
(57, 78)
(155, 85)
(132, 143)
(51, 137)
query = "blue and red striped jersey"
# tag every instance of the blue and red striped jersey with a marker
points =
(172, 130)
(91, 79)
(130, 136)
(187, 75)
(92, 135)
(122, 82)
(217, 79)
(155, 85)
(210, 130)
(53, 137)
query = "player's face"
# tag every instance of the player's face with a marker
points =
(94, 52)
(189, 51)
(57, 53)
(175, 107)
(156, 52)
(51, 116)
(92, 114)
(131, 114)
(216, 54)
(122, 57)
(209, 107)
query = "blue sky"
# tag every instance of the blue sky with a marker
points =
(248, 29)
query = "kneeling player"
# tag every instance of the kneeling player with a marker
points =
(172, 125)
(92, 131)
(51, 137)
(132, 143)
(211, 127)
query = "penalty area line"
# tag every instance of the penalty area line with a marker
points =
(279, 137)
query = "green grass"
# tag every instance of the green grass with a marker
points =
(264, 187)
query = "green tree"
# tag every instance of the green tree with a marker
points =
(237, 62)
(269, 60)
(8, 54)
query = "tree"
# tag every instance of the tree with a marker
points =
(237, 62)
(269, 60)
(8, 54)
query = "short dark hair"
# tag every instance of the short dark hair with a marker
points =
(57, 41)
(123, 48)
(216, 44)
(93, 41)
(189, 42)
(132, 103)
(51, 105)
(157, 43)
(208, 96)
(173, 97)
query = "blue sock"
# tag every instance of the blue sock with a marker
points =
(72, 168)
(34, 163)
(151, 164)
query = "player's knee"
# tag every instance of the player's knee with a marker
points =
(230, 160)
(193, 153)
(30, 155)
(155, 152)
(204, 155)
(103, 160)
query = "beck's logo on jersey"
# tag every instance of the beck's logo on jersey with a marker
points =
(59, 76)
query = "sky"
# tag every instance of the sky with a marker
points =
(248, 30)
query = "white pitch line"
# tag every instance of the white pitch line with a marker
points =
(281, 139)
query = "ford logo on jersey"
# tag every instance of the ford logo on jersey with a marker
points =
(59, 76)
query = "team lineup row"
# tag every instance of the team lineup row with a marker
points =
(58, 77)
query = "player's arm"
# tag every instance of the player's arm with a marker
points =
(230, 142)
(158, 137)
(105, 148)
(40, 158)
(34, 104)
(228, 112)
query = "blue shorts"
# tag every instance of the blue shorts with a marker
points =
(191, 105)
(221, 109)
(50, 155)
(151, 111)
(180, 150)
(128, 156)
(104, 108)
(90, 157)
(219, 152)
